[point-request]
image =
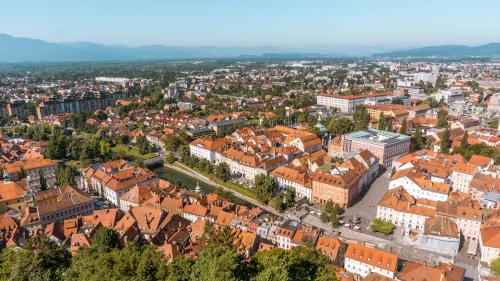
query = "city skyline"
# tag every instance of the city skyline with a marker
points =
(278, 23)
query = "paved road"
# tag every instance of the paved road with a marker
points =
(196, 175)
(376, 191)
(344, 232)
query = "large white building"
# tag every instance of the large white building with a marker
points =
(419, 186)
(462, 176)
(291, 178)
(425, 77)
(449, 95)
(400, 208)
(206, 148)
(347, 103)
(117, 80)
(363, 260)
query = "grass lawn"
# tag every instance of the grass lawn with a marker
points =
(132, 152)
(229, 184)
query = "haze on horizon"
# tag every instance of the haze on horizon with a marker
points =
(277, 23)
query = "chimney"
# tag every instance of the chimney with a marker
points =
(425, 265)
(450, 267)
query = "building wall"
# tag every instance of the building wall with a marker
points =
(461, 181)
(386, 154)
(363, 269)
(414, 221)
(322, 193)
(68, 213)
(416, 191)
(440, 244)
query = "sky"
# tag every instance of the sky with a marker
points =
(276, 23)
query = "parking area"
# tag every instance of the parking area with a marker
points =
(365, 207)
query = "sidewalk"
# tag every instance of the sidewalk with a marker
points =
(206, 180)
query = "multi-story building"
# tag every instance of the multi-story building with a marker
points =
(347, 103)
(285, 233)
(340, 189)
(489, 238)
(291, 178)
(462, 176)
(14, 195)
(419, 186)
(223, 125)
(206, 148)
(443, 271)
(113, 179)
(18, 108)
(363, 260)
(78, 102)
(332, 248)
(365, 164)
(400, 208)
(466, 214)
(61, 203)
(4, 110)
(441, 234)
(34, 169)
(449, 95)
(248, 166)
(386, 146)
(425, 77)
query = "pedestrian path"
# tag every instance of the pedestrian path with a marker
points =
(344, 232)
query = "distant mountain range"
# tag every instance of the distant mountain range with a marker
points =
(13, 49)
(488, 50)
(26, 49)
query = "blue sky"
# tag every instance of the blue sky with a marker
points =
(278, 23)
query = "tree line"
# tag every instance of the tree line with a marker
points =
(42, 259)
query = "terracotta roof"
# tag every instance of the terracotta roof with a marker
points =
(196, 209)
(373, 257)
(137, 195)
(481, 161)
(490, 236)
(329, 246)
(13, 190)
(64, 197)
(465, 169)
(441, 226)
(36, 163)
(442, 272)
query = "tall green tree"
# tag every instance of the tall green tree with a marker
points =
(170, 157)
(180, 269)
(143, 145)
(265, 187)
(442, 119)
(360, 118)
(403, 130)
(290, 197)
(280, 201)
(104, 150)
(217, 263)
(381, 121)
(495, 266)
(39, 259)
(494, 123)
(222, 172)
(465, 140)
(389, 125)
(43, 181)
(418, 137)
(445, 141)
(105, 239)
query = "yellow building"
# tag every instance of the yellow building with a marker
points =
(14, 195)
